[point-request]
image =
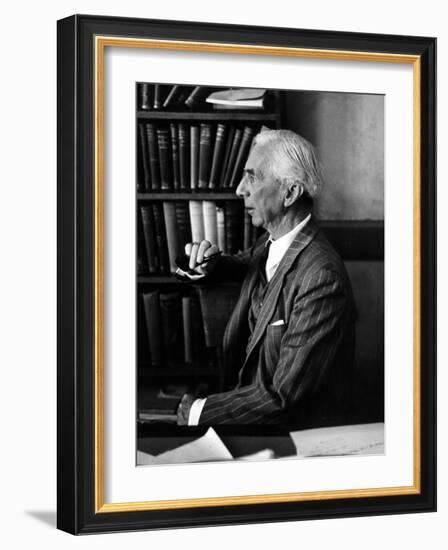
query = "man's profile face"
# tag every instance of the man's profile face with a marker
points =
(261, 192)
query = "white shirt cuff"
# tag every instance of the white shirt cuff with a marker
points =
(195, 411)
(182, 273)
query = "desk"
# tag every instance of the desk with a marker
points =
(205, 445)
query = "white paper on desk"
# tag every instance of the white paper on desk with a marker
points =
(360, 439)
(207, 448)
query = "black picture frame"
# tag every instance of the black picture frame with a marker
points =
(79, 495)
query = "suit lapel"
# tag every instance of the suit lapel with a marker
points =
(301, 241)
(239, 316)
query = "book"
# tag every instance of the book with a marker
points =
(193, 327)
(171, 320)
(145, 99)
(232, 156)
(205, 155)
(149, 233)
(221, 229)
(165, 159)
(218, 157)
(210, 223)
(153, 326)
(194, 157)
(176, 96)
(239, 98)
(197, 331)
(184, 150)
(175, 156)
(170, 98)
(159, 93)
(234, 226)
(144, 175)
(197, 221)
(142, 263)
(197, 97)
(217, 303)
(243, 153)
(183, 224)
(169, 213)
(161, 240)
(188, 336)
(153, 155)
(225, 162)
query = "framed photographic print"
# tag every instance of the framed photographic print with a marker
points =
(246, 274)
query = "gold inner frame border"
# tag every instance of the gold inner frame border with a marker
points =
(101, 42)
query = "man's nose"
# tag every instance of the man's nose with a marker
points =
(241, 189)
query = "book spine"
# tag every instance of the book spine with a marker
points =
(197, 330)
(182, 96)
(145, 99)
(205, 154)
(210, 223)
(171, 313)
(194, 157)
(153, 156)
(153, 325)
(169, 213)
(149, 234)
(144, 179)
(170, 98)
(197, 221)
(225, 163)
(183, 224)
(232, 156)
(158, 90)
(162, 247)
(188, 337)
(221, 229)
(218, 156)
(142, 262)
(234, 227)
(196, 97)
(175, 156)
(165, 160)
(243, 153)
(184, 167)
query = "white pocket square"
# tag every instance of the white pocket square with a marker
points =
(278, 323)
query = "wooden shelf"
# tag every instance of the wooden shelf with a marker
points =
(162, 279)
(246, 116)
(186, 196)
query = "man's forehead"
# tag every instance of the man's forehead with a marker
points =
(257, 157)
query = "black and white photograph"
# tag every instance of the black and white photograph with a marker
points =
(260, 273)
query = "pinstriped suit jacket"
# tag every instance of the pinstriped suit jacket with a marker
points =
(297, 373)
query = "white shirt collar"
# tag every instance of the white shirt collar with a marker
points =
(279, 247)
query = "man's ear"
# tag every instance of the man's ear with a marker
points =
(294, 190)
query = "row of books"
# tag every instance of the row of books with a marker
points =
(165, 228)
(156, 97)
(174, 329)
(192, 157)
(171, 97)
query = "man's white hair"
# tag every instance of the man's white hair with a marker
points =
(292, 156)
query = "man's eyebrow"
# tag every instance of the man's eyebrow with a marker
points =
(249, 171)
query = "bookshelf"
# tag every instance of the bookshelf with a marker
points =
(182, 169)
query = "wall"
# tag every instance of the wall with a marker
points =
(28, 275)
(348, 133)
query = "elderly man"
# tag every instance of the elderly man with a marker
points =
(290, 338)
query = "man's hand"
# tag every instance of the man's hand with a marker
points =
(183, 410)
(197, 252)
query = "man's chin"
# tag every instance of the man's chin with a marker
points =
(255, 221)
